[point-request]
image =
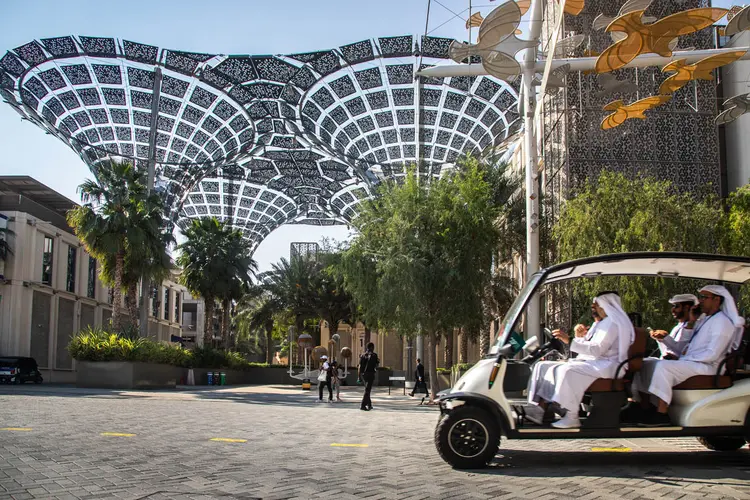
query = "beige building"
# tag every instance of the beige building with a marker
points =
(50, 287)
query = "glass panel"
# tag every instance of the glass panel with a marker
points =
(91, 288)
(177, 307)
(155, 302)
(166, 303)
(70, 281)
(511, 317)
(49, 245)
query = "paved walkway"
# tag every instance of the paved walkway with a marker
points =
(276, 442)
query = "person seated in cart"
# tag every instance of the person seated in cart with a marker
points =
(599, 352)
(719, 333)
(686, 311)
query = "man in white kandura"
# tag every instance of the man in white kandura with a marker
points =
(599, 352)
(686, 311)
(719, 333)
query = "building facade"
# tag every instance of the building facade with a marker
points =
(51, 288)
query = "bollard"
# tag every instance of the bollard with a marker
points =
(223, 378)
(210, 378)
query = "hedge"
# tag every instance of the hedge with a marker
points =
(96, 344)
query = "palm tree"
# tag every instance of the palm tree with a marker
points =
(291, 282)
(255, 311)
(216, 264)
(236, 276)
(118, 214)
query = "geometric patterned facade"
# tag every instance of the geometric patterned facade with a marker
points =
(678, 141)
(259, 140)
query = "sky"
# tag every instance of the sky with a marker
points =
(214, 26)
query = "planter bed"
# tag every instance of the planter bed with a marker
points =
(126, 375)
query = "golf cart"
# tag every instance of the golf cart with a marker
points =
(476, 412)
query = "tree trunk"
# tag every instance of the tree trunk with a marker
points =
(225, 305)
(448, 349)
(367, 335)
(463, 349)
(269, 345)
(133, 304)
(432, 339)
(484, 341)
(117, 291)
(208, 329)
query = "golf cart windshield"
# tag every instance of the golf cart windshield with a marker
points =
(511, 317)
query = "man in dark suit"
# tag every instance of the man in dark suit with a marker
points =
(368, 363)
(419, 379)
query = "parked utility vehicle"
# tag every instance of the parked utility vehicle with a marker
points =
(475, 413)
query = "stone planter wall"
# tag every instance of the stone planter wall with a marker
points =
(126, 375)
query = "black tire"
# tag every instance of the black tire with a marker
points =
(18, 380)
(38, 380)
(467, 437)
(722, 443)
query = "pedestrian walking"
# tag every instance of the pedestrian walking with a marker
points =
(324, 379)
(419, 381)
(368, 363)
(338, 377)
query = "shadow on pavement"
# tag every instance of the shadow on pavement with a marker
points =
(291, 396)
(694, 466)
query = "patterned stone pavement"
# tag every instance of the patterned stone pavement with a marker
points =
(276, 442)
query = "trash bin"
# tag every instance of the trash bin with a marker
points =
(223, 378)
(210, 378)
(216, 378)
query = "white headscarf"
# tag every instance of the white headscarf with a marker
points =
(612, 306)
(729, 308)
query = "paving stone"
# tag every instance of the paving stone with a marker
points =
(286, 433)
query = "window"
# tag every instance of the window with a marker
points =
(177, 307)
(155, 302)
(70, 281)
(91, 288)
(166, 303)
(49, 245)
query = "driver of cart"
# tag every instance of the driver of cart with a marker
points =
(713, 338)
(598, 350)
(686, 310)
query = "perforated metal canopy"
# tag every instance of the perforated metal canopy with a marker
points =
(259, 140)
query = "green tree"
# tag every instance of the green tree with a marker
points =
(291, 282)
(257, 311)
(426, 250)
(738, 230)
(332, 301)
(118, 216)
(619, 214)
(216, 264)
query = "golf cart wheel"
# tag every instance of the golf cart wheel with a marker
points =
(467, 437)
(38, 380)
(722, 443)
(17, 380)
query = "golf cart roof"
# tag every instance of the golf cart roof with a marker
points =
(726, 268)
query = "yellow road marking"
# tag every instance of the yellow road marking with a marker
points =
(117, 434)
(350, 445)
(621, 450)
(229, 440)
(21, 429)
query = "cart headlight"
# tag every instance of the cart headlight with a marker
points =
(453, 403)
